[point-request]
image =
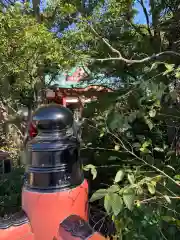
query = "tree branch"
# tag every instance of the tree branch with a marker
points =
(130, 61)
(144, 60)
(146, 16)
(156, 198)
(105, 42)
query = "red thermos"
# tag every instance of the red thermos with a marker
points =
(55, 193)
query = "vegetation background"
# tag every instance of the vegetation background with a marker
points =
(130, 135)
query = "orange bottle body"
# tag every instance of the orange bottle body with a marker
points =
(47, 210)
(55, 194)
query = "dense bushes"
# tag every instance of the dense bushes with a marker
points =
(10, 191)
(11, 182)
(132, 135)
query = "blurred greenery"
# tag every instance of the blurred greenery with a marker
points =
(131, 135)
(10, 191)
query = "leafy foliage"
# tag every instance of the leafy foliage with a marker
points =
(133, 132)
(10, 186)
(137, 126)
(28, 50)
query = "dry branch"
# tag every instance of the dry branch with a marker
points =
(130, 61)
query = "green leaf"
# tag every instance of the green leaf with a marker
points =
(169, 68)
(149, 123)
(167, 218)
(131, 178)
(107, 203)
(94, 173)
(177, 74)
(177, 177)
(157, 149)
(117, 147)
(139, 190)
(157, 178)
(101, 135)
(88, 167)
(145, 145)
(99, 194)
(167, 199)
(154, 66)
(114, 188)
(177, 222)
(119, 176)
(117, 203)
(92, 168)
(151, 188)
(129, 197)
(145, 150)
(152, 113)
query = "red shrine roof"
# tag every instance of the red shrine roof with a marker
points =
(74, 80)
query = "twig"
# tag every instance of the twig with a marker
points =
(106, 42)
(168, 190)
(155, 168)
(138, 61)
(162, 234)
(155, 198)
(101, 149)
(142, 160)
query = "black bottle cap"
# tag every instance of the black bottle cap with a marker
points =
(53, 117)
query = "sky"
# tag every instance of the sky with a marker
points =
(140, 17)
